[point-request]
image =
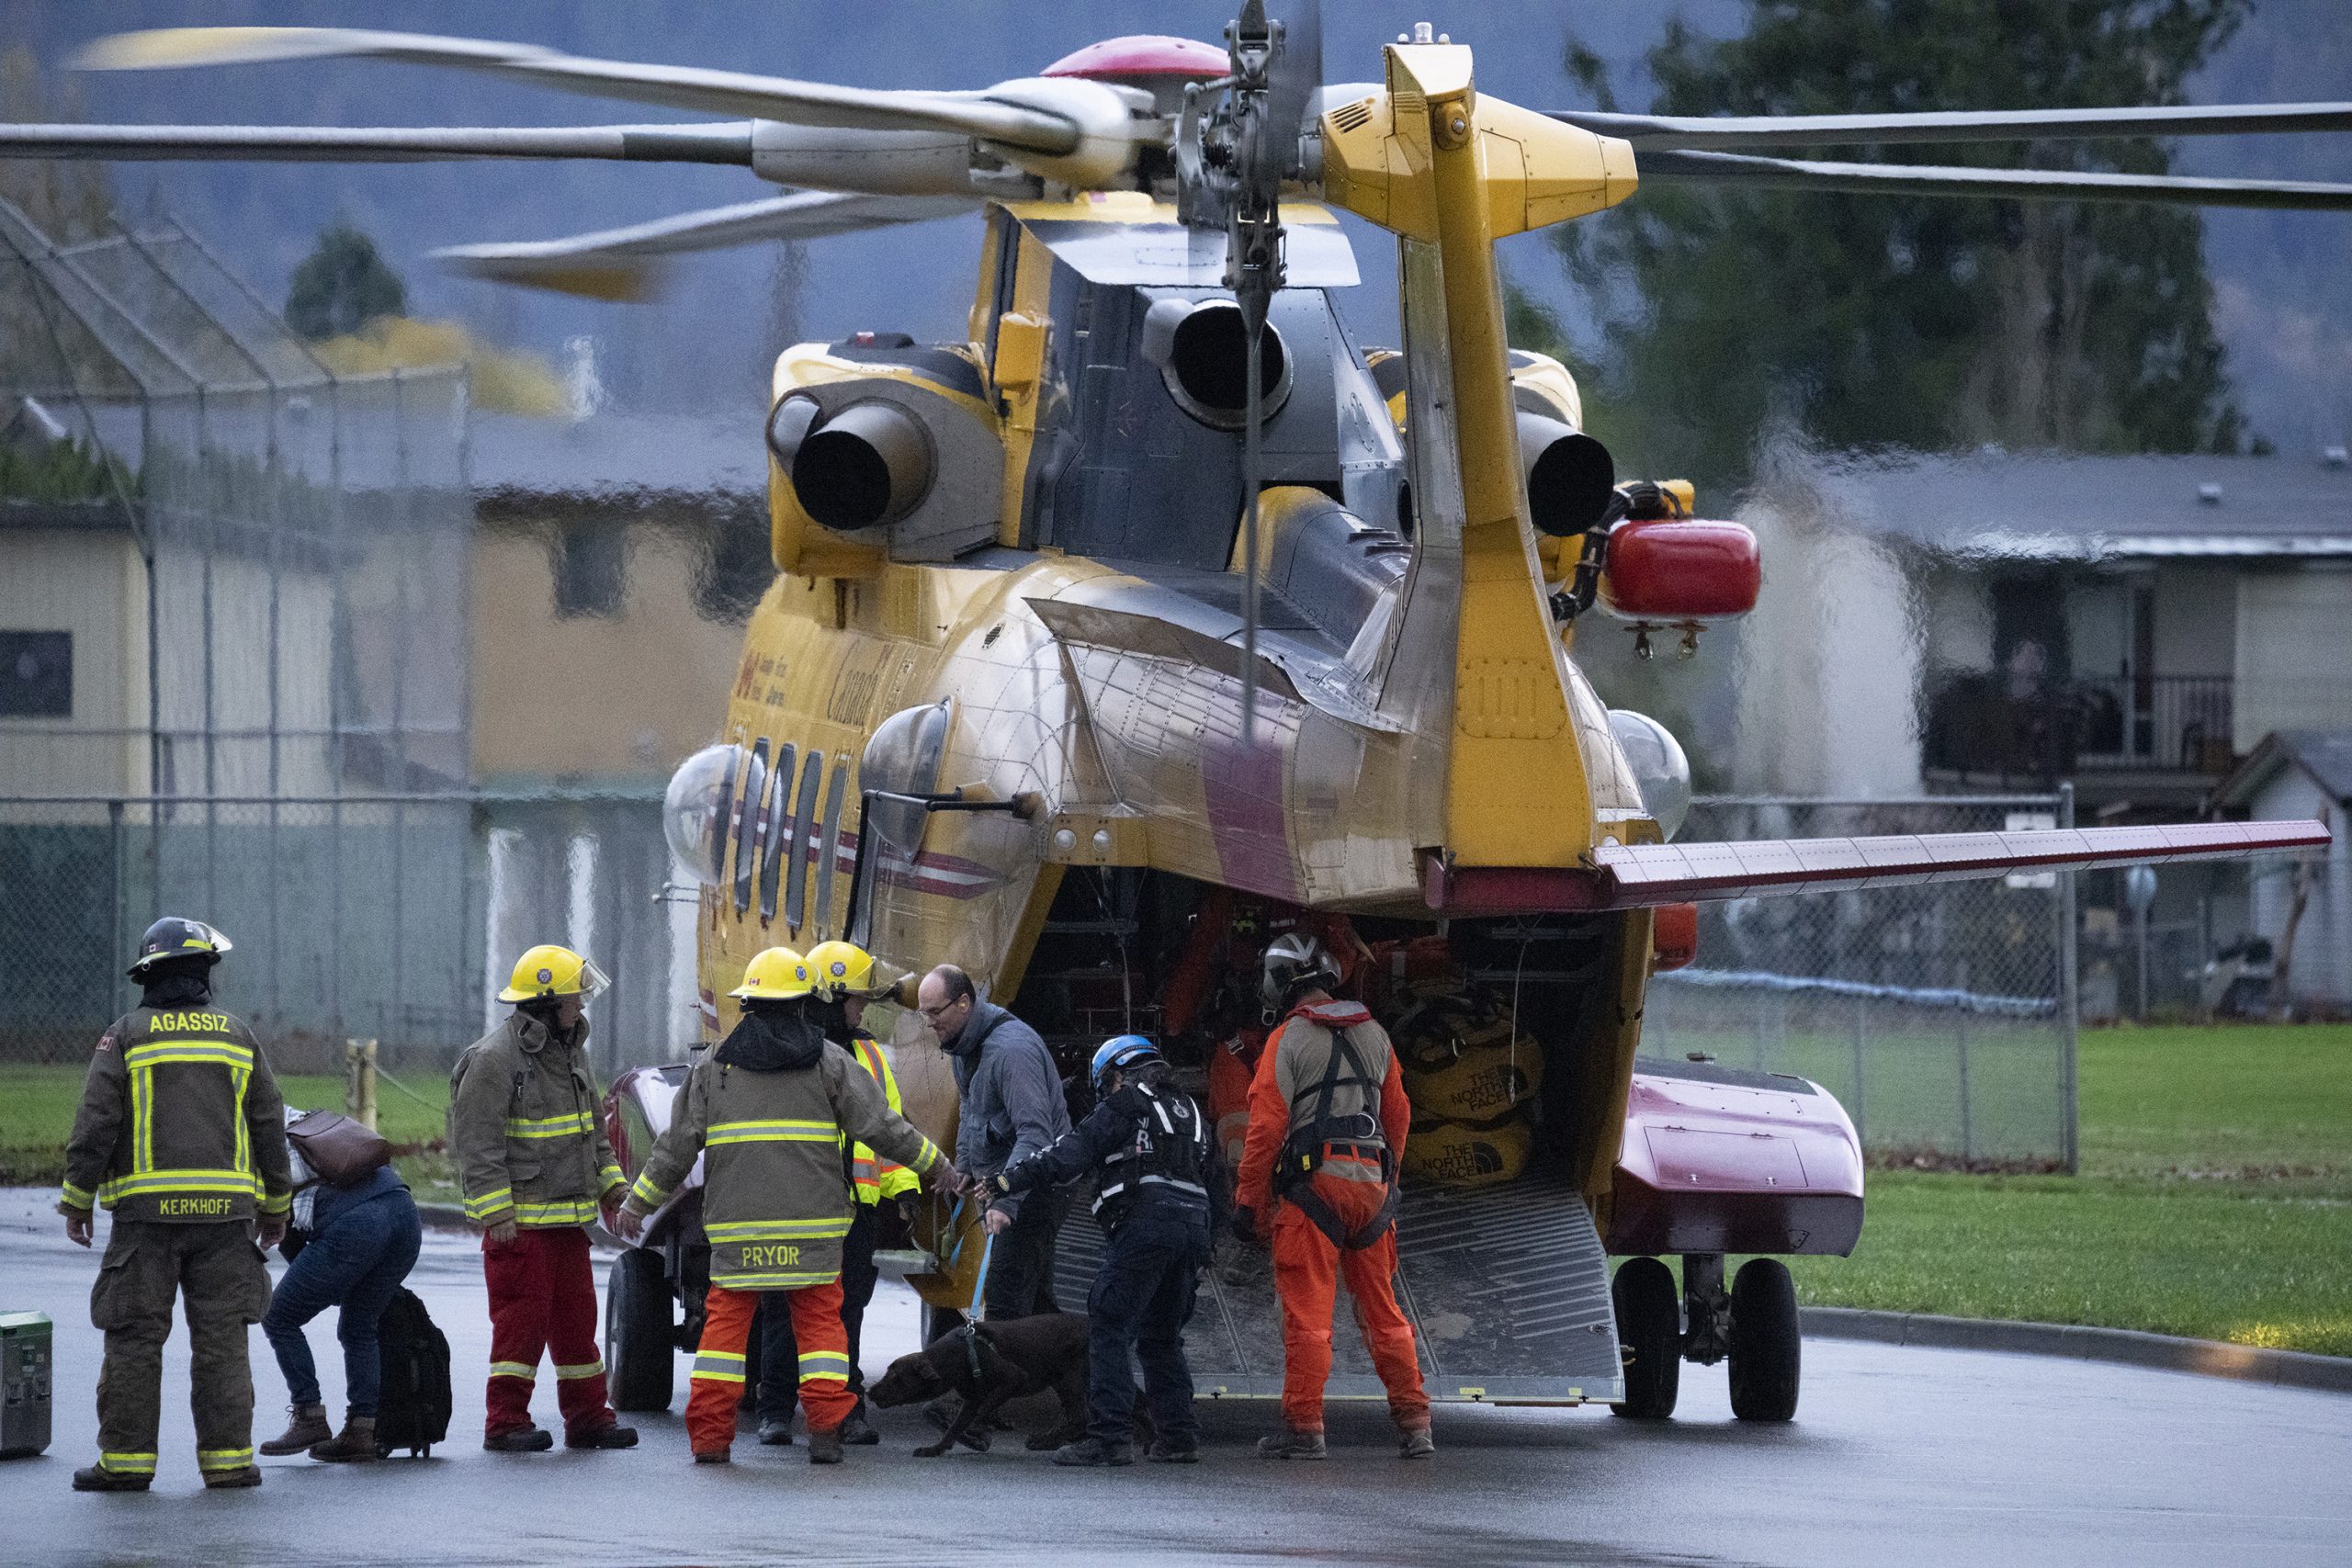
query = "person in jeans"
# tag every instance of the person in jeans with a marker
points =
(359, 1244)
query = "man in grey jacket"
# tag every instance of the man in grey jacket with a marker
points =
(1011, 1107)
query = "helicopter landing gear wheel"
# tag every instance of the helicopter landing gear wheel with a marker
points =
(1766, 1347)
(640, 1333)
(1649, 1323)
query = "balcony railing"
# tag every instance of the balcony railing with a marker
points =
(2156, 724)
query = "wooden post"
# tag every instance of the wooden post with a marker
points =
(359, 1081)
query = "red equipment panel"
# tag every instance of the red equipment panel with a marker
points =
(1680, 572)
(1724, 1159)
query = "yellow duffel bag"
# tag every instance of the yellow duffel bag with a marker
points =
(1482, 1082)
(1456, 1153)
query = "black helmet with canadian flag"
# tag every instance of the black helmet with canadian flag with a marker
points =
(173, 937)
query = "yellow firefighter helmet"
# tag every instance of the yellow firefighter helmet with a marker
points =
(778, 974)
(841, 969)
(550, 970)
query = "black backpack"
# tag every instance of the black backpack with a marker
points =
(412, 1411)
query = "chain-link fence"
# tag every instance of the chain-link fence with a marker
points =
(391, 921)
(1941, 1016)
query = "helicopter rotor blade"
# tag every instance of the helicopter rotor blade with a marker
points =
(623, 263)
(1294, 82)
(1658, 133)
(2047, 184)
(725, 142)
(674, 86)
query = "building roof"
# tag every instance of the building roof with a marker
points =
(2043, 506)
(620, 459)
(2324, 754)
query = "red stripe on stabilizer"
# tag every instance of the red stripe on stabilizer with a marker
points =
(1628, 876)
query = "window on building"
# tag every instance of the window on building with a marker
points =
(36, 674)
(591, 569)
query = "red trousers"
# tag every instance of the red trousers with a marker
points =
(718, 1381)
(543, 1298)
(1307, 1269)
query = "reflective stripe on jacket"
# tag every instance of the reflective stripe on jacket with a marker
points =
(873, 1176)
(180, 1123)
(776, 1201)
(524, 1131)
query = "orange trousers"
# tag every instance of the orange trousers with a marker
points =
(717, 1380)
(1307, 1269)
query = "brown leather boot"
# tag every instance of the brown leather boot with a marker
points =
(306, 1425)
(356, 1444)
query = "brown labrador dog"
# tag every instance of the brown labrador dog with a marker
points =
(988, 1364)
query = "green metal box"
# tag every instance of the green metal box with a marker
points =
(26, 1363)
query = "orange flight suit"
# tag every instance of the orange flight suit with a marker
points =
(1308, 1265)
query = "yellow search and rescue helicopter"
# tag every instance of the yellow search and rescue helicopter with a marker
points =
(1156, 614)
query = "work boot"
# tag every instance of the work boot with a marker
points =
(824, 1445)
(1292, 1443)
(857, 1431)
(610, 1435)
(776, 1434)
(1091, 1451)
(356, 1444)
(306, 1427)
(1416, 1444)
(1173, 1451)
(99, 1478)
(521, 1440)
(230, 1480)
(713, 1456)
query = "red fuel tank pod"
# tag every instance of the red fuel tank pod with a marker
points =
(1674, 936)
(1680, 573)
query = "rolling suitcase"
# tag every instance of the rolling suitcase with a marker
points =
(413, 1411)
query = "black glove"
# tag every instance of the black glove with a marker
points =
(1245, 1225)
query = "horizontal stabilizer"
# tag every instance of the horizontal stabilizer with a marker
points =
(1629, 876)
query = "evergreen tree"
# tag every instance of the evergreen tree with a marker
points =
(341, 286)
(1927, 323)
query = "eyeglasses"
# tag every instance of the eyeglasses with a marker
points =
(934, 1014)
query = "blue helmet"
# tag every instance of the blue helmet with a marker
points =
(1123, 1052)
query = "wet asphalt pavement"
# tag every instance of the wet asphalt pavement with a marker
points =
(1899, 1456)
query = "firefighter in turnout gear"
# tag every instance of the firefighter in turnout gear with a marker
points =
(181, 1136)
(1156, 1166)
(1327, 1119)
(534, 1167)
(769, 1107)
(845, 980)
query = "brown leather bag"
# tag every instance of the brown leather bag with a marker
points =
(342, 1151)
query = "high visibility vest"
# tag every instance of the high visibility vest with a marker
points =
(876, 1179)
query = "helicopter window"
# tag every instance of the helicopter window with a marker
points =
(829, 849)
(804, 817)
(748, 822)
(779, 823)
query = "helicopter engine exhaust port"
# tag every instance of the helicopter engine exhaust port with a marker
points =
(1571, 477)
(1203, 353)
(869, 464)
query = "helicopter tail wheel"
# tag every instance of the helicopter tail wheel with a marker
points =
(1649, 1323)
(1766, 1349)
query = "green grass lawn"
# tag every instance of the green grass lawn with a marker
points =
(37, 1116)
(2215, 1199)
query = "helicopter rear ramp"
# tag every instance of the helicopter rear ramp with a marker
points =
(1507, 1287)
